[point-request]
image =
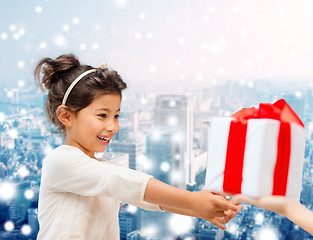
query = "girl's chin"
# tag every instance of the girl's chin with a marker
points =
(101, 149)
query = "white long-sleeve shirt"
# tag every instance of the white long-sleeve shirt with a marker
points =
(80, 196)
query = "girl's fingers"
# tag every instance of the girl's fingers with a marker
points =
(228, 205)
(218, 224)
(230, 214)
(219, 214)
(219, 194)
(223, 220)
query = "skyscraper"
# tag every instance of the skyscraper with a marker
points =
(118, 158)
(135, 235)
(175, 112)
(205, 131)
(33, 220)
(19, 205)
(133, 148)
(165, 153)
(122, 143)
(127, 223)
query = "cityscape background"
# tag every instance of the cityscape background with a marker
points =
(185, 63)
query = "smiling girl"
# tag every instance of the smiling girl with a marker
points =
(79, 194)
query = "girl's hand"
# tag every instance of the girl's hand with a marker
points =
(214, 208)
(204, 204)
(219, 221)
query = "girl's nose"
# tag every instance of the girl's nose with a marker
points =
(112, 126)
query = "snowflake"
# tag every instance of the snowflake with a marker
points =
(26, 229)
(20, 64)
(75, 20)
(12, 28)
(137, 35)
(9, 226)
(4, 36)
(60, 40)
(142, 16)
(83, 46)
(66, 27)
(38, 9)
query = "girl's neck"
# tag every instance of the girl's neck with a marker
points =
(77, 145)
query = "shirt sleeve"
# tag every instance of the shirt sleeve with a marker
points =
(70, 170)
(143, 204)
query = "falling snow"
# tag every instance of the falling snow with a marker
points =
(9, 226)
(38, 9)
(211, 42)
(213, 35)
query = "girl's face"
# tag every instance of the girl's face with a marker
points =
(94, 126)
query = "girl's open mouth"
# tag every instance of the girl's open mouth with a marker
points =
(104, 139)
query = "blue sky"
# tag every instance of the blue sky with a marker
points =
(162, 41)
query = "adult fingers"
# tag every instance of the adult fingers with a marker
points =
(239, 198)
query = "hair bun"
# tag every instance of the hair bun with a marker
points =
(64, 62)
(53, 69)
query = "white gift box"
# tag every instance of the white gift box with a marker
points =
(259, 159)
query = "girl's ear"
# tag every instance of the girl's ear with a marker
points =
(64, 115)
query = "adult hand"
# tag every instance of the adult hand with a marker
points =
(278, 204)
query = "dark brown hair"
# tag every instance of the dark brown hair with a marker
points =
(56, 75)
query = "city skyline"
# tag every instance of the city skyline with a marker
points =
(25, 141)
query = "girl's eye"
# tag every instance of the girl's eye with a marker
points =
(117, 116)
(102, 115)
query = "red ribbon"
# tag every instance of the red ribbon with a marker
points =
(234, 157)
(281, 111)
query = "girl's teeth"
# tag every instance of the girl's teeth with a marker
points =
(104, 139)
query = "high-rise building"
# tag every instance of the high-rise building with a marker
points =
(122, 143)
(133, 148)
(19, 205)
(127, 223)
(205, 131)
(4, 212)
(207, 231)
(118, 158)
(199, 164)
(135, 235)
(33, 220)
(122, 133)
(175, 112)
(13, 235)
(3, 170)
(165, 154)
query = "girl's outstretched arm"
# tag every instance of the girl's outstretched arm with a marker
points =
(291, 209)
(203, 204)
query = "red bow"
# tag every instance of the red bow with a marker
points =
(280, 110)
